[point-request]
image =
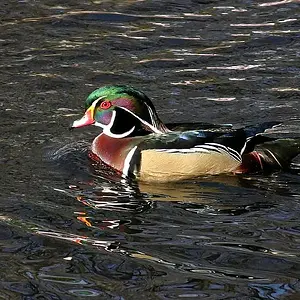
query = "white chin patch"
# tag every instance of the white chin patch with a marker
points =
(107, 131)
(107, 128)
(100, 125)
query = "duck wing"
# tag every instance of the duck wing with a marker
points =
(196, 141)
(244, 140)
(217, 138)
(182, 155)
(179, 155)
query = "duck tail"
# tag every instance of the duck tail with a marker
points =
(278, 154)
(270, 156)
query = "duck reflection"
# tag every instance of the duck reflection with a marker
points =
(100, 188)
(198, 226)
(108, 191)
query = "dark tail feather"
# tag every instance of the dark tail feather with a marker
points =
(278, 154)
(270, 156)
(254, 137)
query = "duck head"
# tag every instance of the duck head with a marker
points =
(121, 111)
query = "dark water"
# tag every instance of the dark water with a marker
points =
(70, 231)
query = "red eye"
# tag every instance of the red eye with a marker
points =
(105, 105)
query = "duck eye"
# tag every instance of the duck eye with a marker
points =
(105, 105)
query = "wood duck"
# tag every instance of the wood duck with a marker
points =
(135, 142)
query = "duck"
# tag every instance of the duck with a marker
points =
(137, 144)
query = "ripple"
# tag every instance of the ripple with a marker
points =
(81, 240)
(240, 67)
(85, 293)
(277, 3)
(62, 279)
(253, 25)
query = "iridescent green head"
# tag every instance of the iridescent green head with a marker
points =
(121, 111)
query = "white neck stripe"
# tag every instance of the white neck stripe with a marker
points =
(155, 130)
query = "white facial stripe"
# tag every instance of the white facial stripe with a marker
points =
(93, 105)
(100, 98)
(107, 131)
(99, 125)
(106, 128)
(155, 130)
(96, 101)
(151, 114)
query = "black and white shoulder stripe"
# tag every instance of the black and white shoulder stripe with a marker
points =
(207, 148)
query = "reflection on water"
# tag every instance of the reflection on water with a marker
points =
(220, 233)
(199, 216)
(73, 229)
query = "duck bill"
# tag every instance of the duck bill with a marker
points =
(87, 119)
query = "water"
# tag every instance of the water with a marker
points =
(70, 230)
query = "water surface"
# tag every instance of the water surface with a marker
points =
(70, 230)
